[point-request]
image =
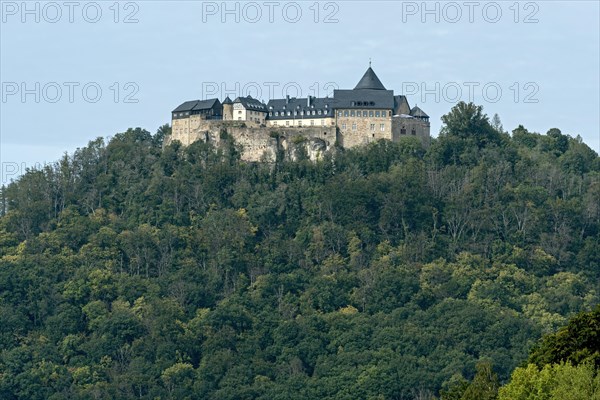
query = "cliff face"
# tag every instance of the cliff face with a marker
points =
(264, 143)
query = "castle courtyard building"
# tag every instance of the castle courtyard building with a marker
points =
(300, 112)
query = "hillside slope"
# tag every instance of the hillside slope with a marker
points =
(129, 270)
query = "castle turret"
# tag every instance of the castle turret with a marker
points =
(227, 109)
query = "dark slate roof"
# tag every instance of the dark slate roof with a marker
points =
(227, 100)
(370, 81)
(300, 106)
(251, 104)
(401, 105)
(417, 112)
(364, 98)
(196, 105)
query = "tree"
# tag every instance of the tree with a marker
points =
(497, 124)
(468, 122)
(553, 382)
(578, 342)
(484, 385)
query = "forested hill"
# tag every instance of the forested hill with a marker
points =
(133, 271)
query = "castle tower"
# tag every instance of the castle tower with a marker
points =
(227, 109)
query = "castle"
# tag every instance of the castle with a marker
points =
(350, 118)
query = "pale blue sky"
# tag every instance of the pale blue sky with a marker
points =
(179, 50)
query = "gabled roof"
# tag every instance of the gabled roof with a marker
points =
(197, 105)
(251, 104)
(417, 112)
(324, 105)
(370, 81)
(227, 100)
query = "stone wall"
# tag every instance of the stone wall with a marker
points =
(403, 127)
(363, 134)
(263, 143)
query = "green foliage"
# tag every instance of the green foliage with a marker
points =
(577, 342)
(484, 385)
(131, 269)
(553, 382)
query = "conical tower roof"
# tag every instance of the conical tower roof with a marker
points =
(227, 100)
(370, 81)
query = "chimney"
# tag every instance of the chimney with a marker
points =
(287, 99)
(308, 99)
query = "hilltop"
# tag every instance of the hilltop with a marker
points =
(134, 269)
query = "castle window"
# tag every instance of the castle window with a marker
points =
(312, 121)
(413, 132)
(319, 112)
(322, 122)
(344, 126)
(271, 114)
(403, 131)
(354, 126)
(299, 122)
(372, 127)
(302, 112)
(382, 127)
(287, 123)
(364, 113)
(377, 113)
(370, 113)
(277, 113)
(289, 113)
(313, 112)
(339, 113)
(346, 113)
(275, 123)
(352, 113)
